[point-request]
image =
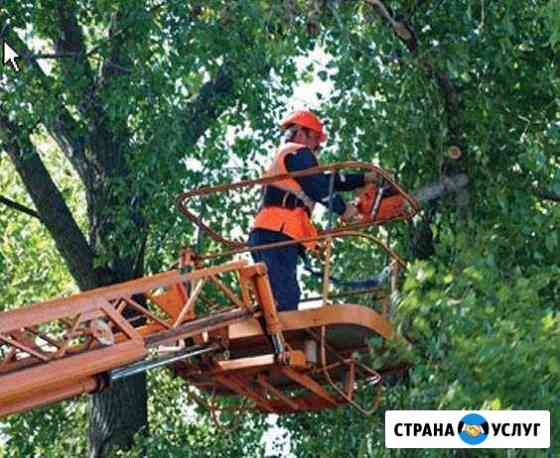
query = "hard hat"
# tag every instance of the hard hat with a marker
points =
(305, 118)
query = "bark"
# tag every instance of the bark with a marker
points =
(116, 415)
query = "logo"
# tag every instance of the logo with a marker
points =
(464, 429)
(473, 429)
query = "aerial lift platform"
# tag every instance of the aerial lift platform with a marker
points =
(280, 362)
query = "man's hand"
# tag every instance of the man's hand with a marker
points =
(372, 178)
(376, 179)
(351, 214)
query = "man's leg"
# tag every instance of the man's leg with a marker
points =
(281, 264)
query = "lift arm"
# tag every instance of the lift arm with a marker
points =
(62, 348)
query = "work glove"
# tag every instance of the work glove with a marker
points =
(351, 214)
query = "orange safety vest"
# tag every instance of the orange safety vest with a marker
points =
(296, 222)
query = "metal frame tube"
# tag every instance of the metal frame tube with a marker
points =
(143, 366)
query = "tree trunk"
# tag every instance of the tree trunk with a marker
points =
(120, 412)
(116, 415)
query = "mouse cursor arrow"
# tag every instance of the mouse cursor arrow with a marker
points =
(9, 56)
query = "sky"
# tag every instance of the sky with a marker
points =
(305, 94)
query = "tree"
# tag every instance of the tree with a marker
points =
(480, 307)
(127, 92)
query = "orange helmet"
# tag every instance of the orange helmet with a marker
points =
(305, 118)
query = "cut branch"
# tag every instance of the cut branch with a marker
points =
(447, 185)
(21, 208)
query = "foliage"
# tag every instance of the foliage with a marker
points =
(31, 270)
(482, 312)
(180, 428)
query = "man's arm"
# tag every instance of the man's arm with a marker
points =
(317, 186)
(347, 181)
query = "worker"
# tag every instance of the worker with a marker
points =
(287, 204)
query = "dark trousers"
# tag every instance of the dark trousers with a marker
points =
(281, 264)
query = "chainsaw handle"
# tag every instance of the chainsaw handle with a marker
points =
(378, 197)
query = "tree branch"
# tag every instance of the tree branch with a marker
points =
(405, 33)
(207, 106)
(51, 207)
(546, 194)
(400, 28)
(64, 129)
(105, 147)
(455, 120)
(118, 62)
(21, 208)
(52, 56)
(71, 40)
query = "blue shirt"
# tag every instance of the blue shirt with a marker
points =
(317, 186)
